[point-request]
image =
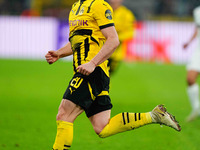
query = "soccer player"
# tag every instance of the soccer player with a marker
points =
(193, 69)
(93, 39)
(125, 26)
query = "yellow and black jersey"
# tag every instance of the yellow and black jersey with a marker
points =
(86, 20)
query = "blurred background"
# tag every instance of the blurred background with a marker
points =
(37, 25)
(152, 73)
(150, 9)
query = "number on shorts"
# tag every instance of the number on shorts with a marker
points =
(76, 82)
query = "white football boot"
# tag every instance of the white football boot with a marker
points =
(160, 115)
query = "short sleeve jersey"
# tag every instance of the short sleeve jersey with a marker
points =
(86, 20)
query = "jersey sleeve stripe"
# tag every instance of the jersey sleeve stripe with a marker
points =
(107, 25)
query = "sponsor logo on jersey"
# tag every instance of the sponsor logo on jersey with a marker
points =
(108, 14)
(78, 23)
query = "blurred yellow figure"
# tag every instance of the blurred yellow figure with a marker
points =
(125, 26)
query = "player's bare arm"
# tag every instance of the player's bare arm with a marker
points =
(53, 56)
(191, 39)
(108, 48)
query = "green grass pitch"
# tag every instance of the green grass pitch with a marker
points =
(30, 93)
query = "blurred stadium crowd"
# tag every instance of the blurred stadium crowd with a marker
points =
(143, 9)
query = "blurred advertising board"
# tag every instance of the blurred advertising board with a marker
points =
(63, 34)
(27, 37)
(161, 42)
(31, 38)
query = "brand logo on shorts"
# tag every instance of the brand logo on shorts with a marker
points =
(71, 90)
(108, 14)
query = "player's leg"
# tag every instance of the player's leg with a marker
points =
(100, 120)
(104, 126)
(67, 113)
(193, 94)
(76, 98)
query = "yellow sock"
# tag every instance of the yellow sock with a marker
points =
(125, 122)
(64, 136)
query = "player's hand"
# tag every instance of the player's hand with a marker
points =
(51, 57)
(87, 68)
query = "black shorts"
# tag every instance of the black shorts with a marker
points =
(90, 92)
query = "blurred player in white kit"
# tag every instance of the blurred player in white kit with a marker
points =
(193, 70)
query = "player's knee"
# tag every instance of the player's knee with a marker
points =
(68, 113)
(98, 127)
(98, 130)
(63, 115)
(190, 80)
